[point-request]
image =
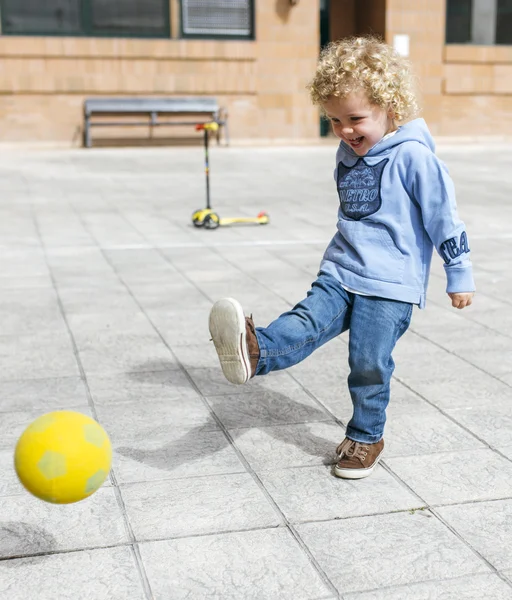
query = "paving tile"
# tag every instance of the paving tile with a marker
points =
(23, 282)
(507, 379)
(102, 574)
(141, 265)
(127, 422)
(456, 476)
(37, 355)
(75, 267)
(9, 483)
(495, 362)
(314, 493)
(464, 588)
(30, 526)
(183, 327)
(176, 453)
(140, 386)
(30, 310)
(259, 565)
(327, 382)
(249, 293)
(424, 431)
(460, 391)
(119, 342)
(121, 352)
(438, 366)
(266, 408)
(507, 576)
(13, 424)
(93, 299)
(493, 425)
(404, 400)
(169, 296)
(211, 381)
(207, 504)
(507, 451)
(44, 395)
(197, 356)
(28, 263)
(492, 538)
(414, 427)
(281, 446)
(388, 550)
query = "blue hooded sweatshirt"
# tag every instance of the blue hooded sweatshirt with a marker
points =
(396, 203)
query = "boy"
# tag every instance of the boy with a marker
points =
(396, 202)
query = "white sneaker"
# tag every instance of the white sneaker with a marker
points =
(235, 340)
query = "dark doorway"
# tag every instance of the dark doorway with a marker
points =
(343, 18)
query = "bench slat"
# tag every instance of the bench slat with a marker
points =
(144, 105)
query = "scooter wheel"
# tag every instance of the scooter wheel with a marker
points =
(198, 217)
(211, 221)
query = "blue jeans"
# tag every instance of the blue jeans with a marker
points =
(375, 326)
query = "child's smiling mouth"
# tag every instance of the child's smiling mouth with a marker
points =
(356, 142)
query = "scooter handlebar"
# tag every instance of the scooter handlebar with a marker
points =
(213, 126)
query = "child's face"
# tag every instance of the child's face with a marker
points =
(357, 122)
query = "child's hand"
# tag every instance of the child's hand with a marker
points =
(461, 300)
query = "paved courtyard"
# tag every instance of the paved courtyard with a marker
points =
(224, 492)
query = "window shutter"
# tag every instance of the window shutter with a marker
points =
(217, 17)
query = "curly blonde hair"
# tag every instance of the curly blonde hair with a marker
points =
(369, 64)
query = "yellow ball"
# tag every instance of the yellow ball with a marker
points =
(63, 457)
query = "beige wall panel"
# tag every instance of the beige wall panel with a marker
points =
(127, 48)
(424, 22)
(478, 79)
(40, 118)
(478, 54)
(468, 79)
(476, 115)
(288, 45)
(109, 76)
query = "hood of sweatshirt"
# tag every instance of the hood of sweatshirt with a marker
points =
(414, 131)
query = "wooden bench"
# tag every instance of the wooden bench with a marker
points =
(200, 110)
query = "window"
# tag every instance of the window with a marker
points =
(485, 22)
(138, 18)
(458, 21)
(504, 22)
(217, 18)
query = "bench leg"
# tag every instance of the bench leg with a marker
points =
(87, 133)
(222, 119)
(226, 129)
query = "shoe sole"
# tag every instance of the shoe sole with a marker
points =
(227, 328)
(356, 473)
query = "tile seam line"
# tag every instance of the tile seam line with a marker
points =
(120, 502)
(227, 532)
(482, 370)
(470, 546)
(487, 445)
(423, 581)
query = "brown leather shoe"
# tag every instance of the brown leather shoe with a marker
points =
(357, 460)
(235, 340)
